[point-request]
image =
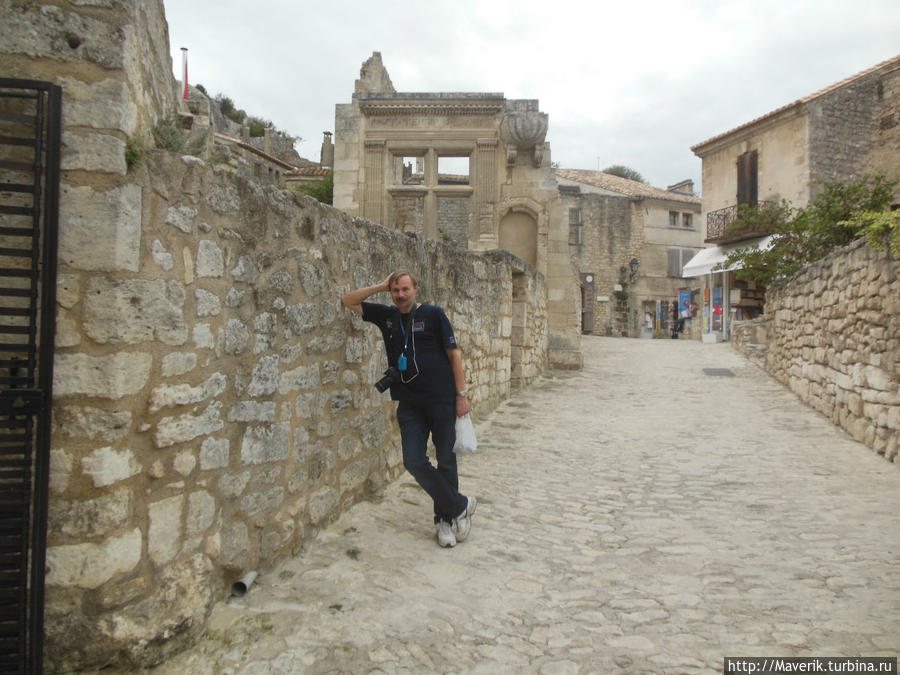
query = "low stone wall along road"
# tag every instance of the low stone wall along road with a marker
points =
(640, 516)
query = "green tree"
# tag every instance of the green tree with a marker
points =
(323, 190)
(624, 172)
(839, 213)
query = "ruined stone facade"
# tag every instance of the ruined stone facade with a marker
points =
(471, 168)
(213, 402)
(833, 336)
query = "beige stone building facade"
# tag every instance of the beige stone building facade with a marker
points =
(471, 168)
(629, 241)
(840, 133)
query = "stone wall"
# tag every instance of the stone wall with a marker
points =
(213, 402)
(834, 339)
(852, 129)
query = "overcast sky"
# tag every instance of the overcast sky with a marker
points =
(634, 83)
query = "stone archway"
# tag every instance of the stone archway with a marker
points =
(518, 235)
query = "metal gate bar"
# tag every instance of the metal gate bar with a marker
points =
(30, 126)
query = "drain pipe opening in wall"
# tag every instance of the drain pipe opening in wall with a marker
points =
(242, 585)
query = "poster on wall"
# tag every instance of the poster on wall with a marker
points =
(717, 301)
(685, 309)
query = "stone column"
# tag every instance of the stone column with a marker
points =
(485, 189)
(430, 207)
(373, 200)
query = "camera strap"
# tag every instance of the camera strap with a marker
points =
(406, 337)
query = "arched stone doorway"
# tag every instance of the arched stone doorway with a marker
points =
(518, 235)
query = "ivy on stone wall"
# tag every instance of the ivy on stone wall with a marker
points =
(839, 214)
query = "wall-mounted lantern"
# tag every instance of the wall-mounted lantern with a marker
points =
(634, 264)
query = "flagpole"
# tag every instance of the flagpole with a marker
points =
(184, 72)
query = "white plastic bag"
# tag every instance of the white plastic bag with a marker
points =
(466, 443)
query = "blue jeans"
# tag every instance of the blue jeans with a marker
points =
(442, 483)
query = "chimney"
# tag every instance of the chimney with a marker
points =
(267, 141)
(326, 157)
(685, 187)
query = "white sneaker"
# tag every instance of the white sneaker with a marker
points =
(463, 522)
(445, 535)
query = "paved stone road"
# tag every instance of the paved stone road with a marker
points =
(638, 517)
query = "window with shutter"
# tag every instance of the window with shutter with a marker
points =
(747, 178)
(674, 262)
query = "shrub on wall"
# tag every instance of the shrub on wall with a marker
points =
(803, 235)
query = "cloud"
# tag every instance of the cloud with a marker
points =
(628, 83)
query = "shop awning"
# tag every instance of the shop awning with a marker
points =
(705, 260)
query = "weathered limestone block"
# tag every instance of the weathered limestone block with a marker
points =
(235, 298)
(60, 470)
(237, 336)
(304, 377)
(233, 485)
(322, 504)
(203, 337)
(185, 462)
(162, 257)
(301, 318)
(107, 466)
(105, 104)
(374, 430)
(181, 217)
(201, 513)
(92, 517)
(172, 430)
(265, 328)
(184, 394)
(224, 200)
(245, 271)
(178, 363)
(93, 152)
(173, 616)
(264, 378)
(68, 290)
(164, 534)
(188, 266)
(134, 310)
(87, 422)
(354, 475)
(207, 303)
(266, 444)
(90, 565)
(262, 501)
(214, 453)
(252, 411)
(100, 231)
(210, 259)
(237, 551)
(327, 343)
(44, 32)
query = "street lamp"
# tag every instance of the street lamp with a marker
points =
(634, 264)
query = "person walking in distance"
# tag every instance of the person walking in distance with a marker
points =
(426, 378)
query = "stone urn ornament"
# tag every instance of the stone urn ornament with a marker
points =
(524, 131)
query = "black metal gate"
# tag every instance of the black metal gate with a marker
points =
(30, 115)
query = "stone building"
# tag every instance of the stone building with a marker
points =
(840, 133)
(629, 241)
(471, 168)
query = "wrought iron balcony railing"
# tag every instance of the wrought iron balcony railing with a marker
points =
(724, 225)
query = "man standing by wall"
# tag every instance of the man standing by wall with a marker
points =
(426, 377)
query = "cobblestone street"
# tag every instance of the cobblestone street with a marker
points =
(640, 516)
